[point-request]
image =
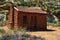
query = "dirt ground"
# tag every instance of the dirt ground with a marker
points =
(53, 34)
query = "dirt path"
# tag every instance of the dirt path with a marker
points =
(48, 35)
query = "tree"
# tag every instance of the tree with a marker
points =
(2, 0)
(53, 7)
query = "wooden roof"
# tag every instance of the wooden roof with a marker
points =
(30, 9)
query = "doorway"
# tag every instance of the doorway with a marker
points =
(33, 23)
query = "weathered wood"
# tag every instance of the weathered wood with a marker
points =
(35, 19)
(10, 17)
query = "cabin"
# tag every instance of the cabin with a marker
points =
(31, 18)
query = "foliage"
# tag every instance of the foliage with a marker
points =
(2, 21)
(19, 36)
(50, 6)
(15, 30)
(21, 30)
(2, 0)
(1, 8)
(2, 31)
(54, 24)
(24, 4)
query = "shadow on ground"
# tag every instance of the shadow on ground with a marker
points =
(47, 30)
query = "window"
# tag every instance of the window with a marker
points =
(24, 19)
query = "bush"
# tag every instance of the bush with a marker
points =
(2, 21)
(2, 31)
(1, 8)
(21, 37)
(2, 0)
(54, 24)
(24, 4)
(57, 25)
(20, 30)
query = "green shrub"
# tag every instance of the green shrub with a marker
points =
(57, 25)
(54, 24)
(2, 21)
(2, 31)
(15, 30)
(21, 30)
(2, 0)
(21, 37)
(24, 4)
(1, 8)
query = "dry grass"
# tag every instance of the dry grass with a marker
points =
(49, 35)
(17, 35)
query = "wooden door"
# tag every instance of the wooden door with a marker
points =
(33, 22)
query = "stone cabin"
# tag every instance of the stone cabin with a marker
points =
(31, 18)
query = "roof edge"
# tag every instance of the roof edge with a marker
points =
(16, 8)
